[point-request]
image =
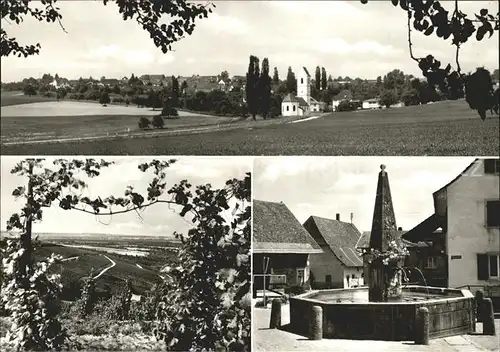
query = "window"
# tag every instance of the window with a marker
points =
(294, 108)
(287, 108)
(302, 81)
(493, 265)
(488, 266)
(492, 166)
(300, 276)
(492, 211)
(431, 263)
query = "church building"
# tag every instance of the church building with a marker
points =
(302, 103)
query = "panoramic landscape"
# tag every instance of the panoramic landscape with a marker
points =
(353, 94)
(103, 253)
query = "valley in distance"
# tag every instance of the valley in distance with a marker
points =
(139, 258)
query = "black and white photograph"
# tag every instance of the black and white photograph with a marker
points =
(376, 253)
(139, 77)
(125, 254)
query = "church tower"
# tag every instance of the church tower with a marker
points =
(304, 85)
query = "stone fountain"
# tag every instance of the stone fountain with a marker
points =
(387, 309)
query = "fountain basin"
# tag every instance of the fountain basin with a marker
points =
(347, 313)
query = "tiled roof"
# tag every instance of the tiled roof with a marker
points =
(340, 236)
(302, 101)
(422, 230)
(343, 95)
(290, 98)
(277, 230)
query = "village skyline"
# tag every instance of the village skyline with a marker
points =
(98, 49)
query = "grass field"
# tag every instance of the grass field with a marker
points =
(446, 128)
(35, 128)
(16, 98)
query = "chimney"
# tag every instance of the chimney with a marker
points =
(352, 217)
(337, 217)
(400, 229)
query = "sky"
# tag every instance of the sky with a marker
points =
(157, 220)
(346, 37)
(326, 186)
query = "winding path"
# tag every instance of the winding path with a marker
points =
(105, 269)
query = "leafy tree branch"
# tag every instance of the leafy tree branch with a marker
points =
(182, 16)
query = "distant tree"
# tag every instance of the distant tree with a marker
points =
(154, 99)
(411, 97)
(252, 86)
(265, 89)
(276, 77)
(495, 75)
(480, 92)
(330, 79)
(116, 89)
(175, 92)
(184, 87)
(317, 78)
(168, 110)
(388, 98)
(345, 105)
(103, 78)
(224, 75)
(158, 121)
(104, 99)
(29, 90)
(323, 78)
(291, 81)
(275, 106)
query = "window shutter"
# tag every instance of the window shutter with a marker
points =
(482, 267)
(489, 166)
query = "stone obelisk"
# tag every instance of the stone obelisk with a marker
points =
(384, 231)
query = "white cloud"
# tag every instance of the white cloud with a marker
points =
(275, 168)
(166, 58)
(320, 8)
(138, 57)
(228, 24)
(340, 46)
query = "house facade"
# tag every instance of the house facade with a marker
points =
(466, 211)
(281, 247)
(371, 104)
(340, 265)
(302, 103)
(345, 95)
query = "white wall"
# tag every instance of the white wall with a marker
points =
(290, 111)
(467, 234)
(352, 271)
(370, 105)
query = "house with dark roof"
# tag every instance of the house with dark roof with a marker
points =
(341, 264)
(281, 247)
(466, 217)
(344, 95)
